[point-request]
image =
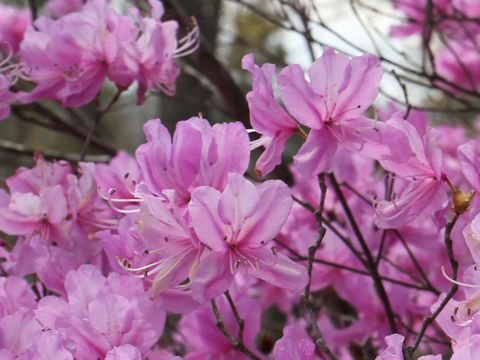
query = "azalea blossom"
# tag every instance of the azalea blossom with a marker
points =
(237, 226)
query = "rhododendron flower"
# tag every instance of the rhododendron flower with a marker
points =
(70, 57)
(102, 313)
(267, 116)
(199, 154)
(423, 168)
(155, 52)
(170, 247)
(331, 104)
(237, 226)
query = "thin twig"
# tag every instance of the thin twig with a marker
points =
(236, 342)
(317, 333)
(382, 294)
(21, 149)
(453, 289)
(98, 117)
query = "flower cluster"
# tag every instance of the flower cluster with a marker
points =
(180, 252)
(68, 58)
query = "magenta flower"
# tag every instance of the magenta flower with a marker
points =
(199, 154)
(331, 104)
(170, 247)
(267, 116)
(423, 168)
(237, 226)
(70, 57)
(155, 51)
(102, 313)
(36, 203)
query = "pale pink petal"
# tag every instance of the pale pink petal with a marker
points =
(274, 204)
(212, 277)
(279, 270)
(124, 352)
(468, 155)
(48, 346)
(298, 96)
(316, 154)
(293, 345)
(416, 198)
(238, 201)
(272, 156)
(206, 221)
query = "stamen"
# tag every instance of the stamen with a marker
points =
(190, 42)
(259, 142)
(475, 286)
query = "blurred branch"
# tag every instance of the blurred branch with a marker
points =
(21, 149)
(204, 59)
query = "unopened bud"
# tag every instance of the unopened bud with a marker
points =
(461, 201)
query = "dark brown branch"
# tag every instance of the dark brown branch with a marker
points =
(236, 342)
(20, 149)
(317, 333)
(453, 289)
(370, 261)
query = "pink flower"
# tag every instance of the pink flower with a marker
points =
(199, 154)
(237, 225)
(102, 313)
(170, 247)
(417, 11)
(422, 167)
(331, 104)
(267, 116)
(155, 52)
(69, 58)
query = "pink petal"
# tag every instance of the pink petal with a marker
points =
(212, 277)
(316, 154)
(238, 201)
(279, 270)
(206, 221)
(298, 96)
